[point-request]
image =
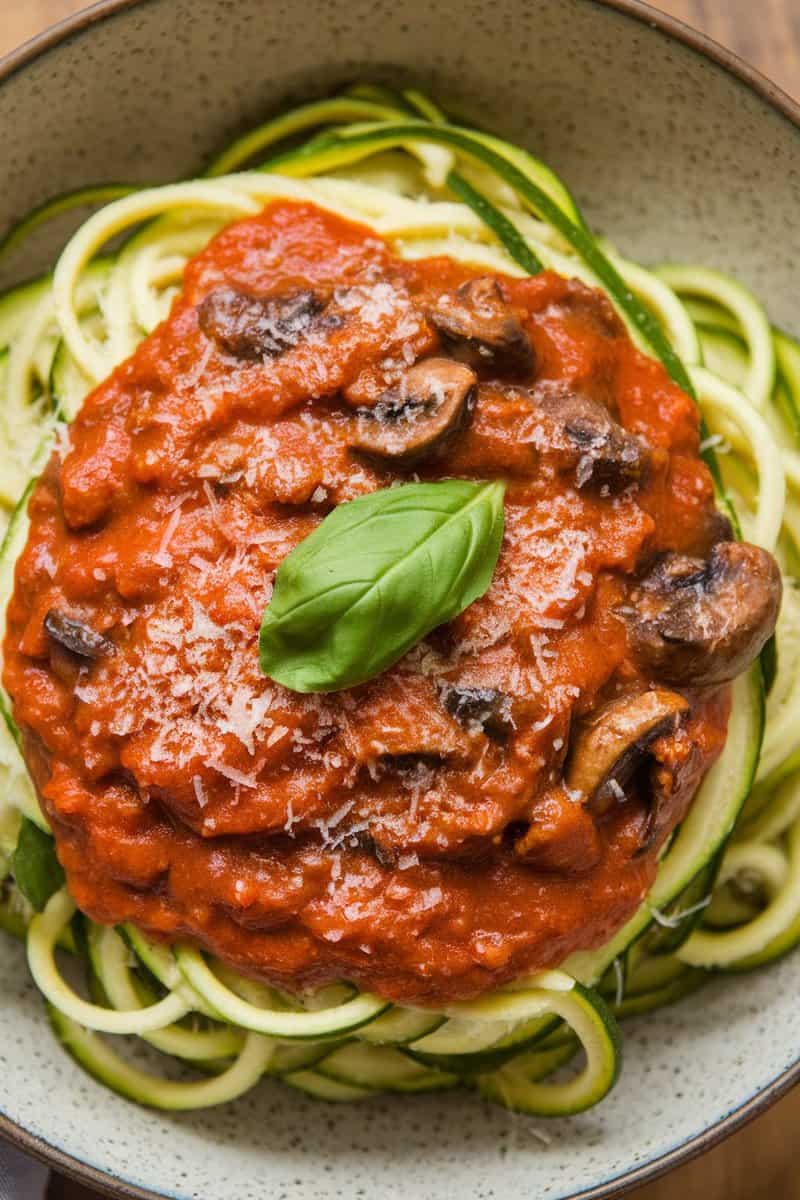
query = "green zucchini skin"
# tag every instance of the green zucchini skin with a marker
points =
(56, 206)
(522, 1092)
(471, 1062)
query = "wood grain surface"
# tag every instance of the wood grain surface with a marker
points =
(758, 1162)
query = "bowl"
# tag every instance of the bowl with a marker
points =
(677, 151)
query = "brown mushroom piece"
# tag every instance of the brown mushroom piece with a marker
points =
(254, 328)
(478, 327)
(432, 403)
(583, 433)
(481, 709)
(610, 762)
(716, 527)
(367, 844)
(593, 307)
(561, 836)
(76, 637)
(415, 762)
(704, 621)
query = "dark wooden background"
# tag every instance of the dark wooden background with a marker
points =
(757, 1163)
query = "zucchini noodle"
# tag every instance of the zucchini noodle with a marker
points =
(727, 892)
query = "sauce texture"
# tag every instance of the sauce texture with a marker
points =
(382, 834)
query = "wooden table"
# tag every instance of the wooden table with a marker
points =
(758, 1163)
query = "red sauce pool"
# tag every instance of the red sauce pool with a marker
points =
(364, 834)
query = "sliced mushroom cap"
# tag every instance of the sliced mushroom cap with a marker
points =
(704, 621)
(610, 748)
(601, 452)
(432, 403)
(76, 637)
(484, 709)
(478, 327)
(257, 327)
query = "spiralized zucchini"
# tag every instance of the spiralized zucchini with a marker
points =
(727, 894)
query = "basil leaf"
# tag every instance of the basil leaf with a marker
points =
(37, 871)
(375, 577)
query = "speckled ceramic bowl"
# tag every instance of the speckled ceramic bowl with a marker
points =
(676, 150)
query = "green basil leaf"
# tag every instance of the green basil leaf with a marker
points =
(375, 577)
(37, 871)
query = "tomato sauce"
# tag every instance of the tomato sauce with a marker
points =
(367, 835)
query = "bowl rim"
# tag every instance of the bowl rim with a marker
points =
(684, 1152)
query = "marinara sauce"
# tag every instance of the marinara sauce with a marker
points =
(373, 834)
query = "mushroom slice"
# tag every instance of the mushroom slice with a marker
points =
(76, 637)
(593, 307)
(600, 451)
(432, 403)
(704, 621)
(415, 762)
(257, 327)
(477, 708)
(479, 328)
(613, 744)
(367, 843)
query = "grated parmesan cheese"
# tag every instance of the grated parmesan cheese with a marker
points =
(161, 556)
(248, 781)
(199, 791)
